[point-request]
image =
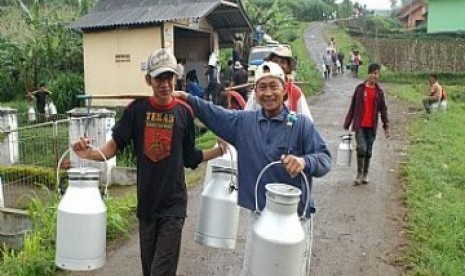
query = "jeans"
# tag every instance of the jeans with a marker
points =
(160, 244)
(365, 138)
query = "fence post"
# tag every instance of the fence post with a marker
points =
(9, 142)
(98, 129)
(2, 198)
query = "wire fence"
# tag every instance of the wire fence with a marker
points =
(411, 52)
(36, 149)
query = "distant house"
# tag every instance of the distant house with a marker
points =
(119, 35)
(446, 16)
(413, 14)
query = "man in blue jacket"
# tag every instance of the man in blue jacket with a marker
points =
(267, 135)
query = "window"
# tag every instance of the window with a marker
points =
(122, 58)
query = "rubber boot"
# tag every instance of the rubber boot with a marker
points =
(358, 178)
(366, 166)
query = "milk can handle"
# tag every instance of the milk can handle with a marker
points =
(307, 187)
(93, 147)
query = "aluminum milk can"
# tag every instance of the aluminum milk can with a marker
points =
(344, 151)
(218, 219)
(226, 160)
(442, 105)
(47, 110)
(278, 239)
(52, 109)
(31, 114)
(81, 222)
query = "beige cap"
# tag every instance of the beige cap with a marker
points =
(269, 69)
(285, 52)
(161, 61)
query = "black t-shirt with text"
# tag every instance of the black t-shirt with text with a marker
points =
(164, 143)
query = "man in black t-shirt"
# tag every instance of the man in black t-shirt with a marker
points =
(162, 131)
(41, 100)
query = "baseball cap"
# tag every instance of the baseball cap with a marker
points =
(285, 52)
(269, 69)
(161, 61)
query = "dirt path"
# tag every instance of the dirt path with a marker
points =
(357, 229)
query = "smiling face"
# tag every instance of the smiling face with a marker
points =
(373, 77)
(269, 92)
(162, 86)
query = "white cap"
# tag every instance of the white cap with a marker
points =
(269, 69)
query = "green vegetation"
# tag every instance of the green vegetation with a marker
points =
(37, 47)
(434, 190)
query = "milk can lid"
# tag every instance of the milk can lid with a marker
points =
(283, 189)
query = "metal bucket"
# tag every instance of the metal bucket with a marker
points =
(81, 222)
(219, 213)
(344, 151)
(278, 238)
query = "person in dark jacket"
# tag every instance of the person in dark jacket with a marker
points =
(367, 102)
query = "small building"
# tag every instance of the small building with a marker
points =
(446, 16)
(413, 14)
(119, 35)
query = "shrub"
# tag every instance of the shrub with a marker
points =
(65, 87)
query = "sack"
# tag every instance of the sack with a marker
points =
(348, 66)
(360, 62)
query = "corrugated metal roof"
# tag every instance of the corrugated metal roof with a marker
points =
(109, 14)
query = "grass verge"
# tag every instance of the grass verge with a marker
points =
(434, 186)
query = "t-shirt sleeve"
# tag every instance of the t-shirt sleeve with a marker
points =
(123, 130)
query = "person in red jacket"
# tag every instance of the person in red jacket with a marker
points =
(367, 102)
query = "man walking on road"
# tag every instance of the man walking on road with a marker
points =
(161, 129)
(294, 97)
(272, 134)
(367, 101)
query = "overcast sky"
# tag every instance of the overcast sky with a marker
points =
(374, 4)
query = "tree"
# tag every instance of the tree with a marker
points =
(345, 9)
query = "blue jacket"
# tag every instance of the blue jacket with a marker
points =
(194, 89)
(259, 141)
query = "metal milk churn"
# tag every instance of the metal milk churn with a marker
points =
(344, 151)
(278, 238)
(52, 108)
(81, 222)
(31, 114)
(219, 213)
(47, 110)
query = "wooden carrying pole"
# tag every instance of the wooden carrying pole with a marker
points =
(133, 97)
